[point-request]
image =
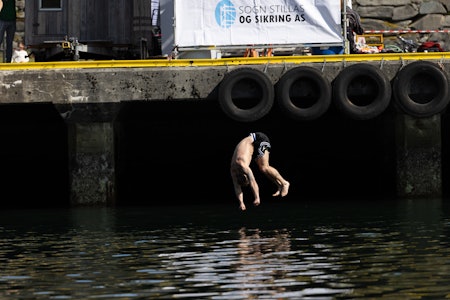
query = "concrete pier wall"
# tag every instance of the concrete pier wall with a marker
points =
(92, 163)
(157, 135)
(419, 156)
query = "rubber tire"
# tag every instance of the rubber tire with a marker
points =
(308, 86)
(246, 94)
(423, 79)
(362, 91)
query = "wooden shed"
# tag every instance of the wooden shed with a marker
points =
(67, 29)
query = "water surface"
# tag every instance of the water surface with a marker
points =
(333, 249)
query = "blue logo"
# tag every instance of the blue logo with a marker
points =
(225, 13)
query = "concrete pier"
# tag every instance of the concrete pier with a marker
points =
(92, 172)
(91, 144)
(94, 103)
(419, 156)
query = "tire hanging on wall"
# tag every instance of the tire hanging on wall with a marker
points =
(246, 94)
(362, 91)
(303, 93)
(421, 89)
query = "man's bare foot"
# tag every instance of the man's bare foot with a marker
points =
(282, 190)
(256, 202)
(285, 189)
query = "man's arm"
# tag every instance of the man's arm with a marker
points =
(253, 185)
(238, 192)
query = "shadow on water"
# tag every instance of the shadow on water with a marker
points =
(270, 214)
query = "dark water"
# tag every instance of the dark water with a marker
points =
(332, 249)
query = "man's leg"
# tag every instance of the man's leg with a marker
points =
(274, 175)
(2, 32)
(10, 31)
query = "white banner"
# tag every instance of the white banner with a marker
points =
(257, 22)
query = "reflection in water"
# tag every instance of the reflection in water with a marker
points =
(394, 250)
(263, 262)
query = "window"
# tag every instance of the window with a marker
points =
(50, 4)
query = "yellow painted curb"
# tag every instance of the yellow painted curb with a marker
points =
(152, 63)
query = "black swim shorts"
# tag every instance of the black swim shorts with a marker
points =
(261, 143)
